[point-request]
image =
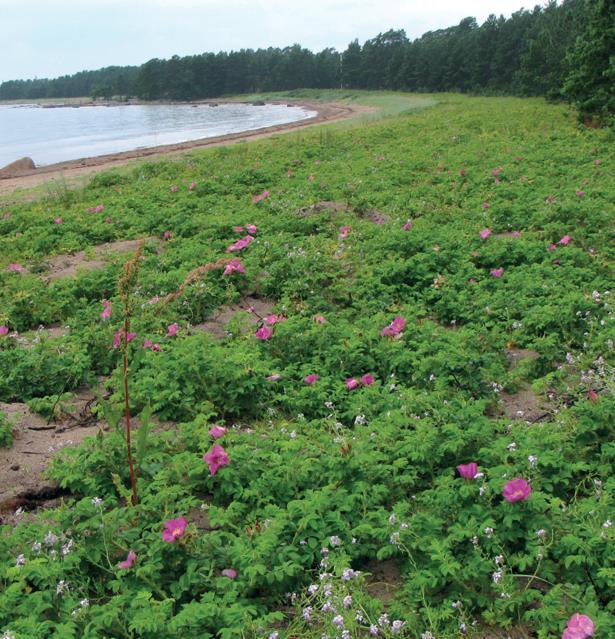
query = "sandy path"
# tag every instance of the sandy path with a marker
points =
(70, 171)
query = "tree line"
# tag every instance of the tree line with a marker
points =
(557, 51)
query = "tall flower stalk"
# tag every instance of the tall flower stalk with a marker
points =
(126, 285)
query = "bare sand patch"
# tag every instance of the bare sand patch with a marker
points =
(255, 308)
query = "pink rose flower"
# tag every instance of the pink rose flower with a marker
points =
(231, 573)
(15, 267)
(497, 272)
(174, 188)
(106, 313)
(259, 198)
(485, 205)
(58, 220)
(394, 328)
(578, 627)
(234, 266)
(485, 233)
(351, 383)
(310, 379)
(216, 458)
(320, 319)
(4, 330)
(192, 186)
(565, 240)
(517, 489)
(174, 529)
(172, 329)
(167, 235)
(468, 471)
(344, 230)
(274, 319)
(580, 193)
(367, 380)
(129, 561)
(251, 229)
(263, 333)
(217, 431)
(407, 226)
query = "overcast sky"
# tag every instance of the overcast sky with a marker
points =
(48, 38)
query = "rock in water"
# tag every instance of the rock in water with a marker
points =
(18, 167)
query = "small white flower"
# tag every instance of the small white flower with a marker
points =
(397, 625)
(349, 574)
(391, 519)
(512, 446)
(36, 546)
(61, 587)
(383, 620)
(542, 533)
(312, 589)
(359, 616)
(335, 540)
(496, 576)
(307, 613)
(66, 548)
(293, 435)
(96, 501)
(338, 621)
(360, 420)
(607, 524)
(456, 604)
(532, 459)
(21, 560)
(347, 601)
(488, 531)
(499, 560)
(274, 635)
(50, 539)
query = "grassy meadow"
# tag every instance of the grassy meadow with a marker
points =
(402, 328)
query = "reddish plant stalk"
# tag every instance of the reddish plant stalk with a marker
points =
(133, 478)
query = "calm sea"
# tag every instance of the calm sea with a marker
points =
(59, 134)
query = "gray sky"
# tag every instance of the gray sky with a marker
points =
(47, 38)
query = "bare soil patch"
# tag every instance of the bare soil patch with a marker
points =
(256, 308)
(323, 207)
(517, 355)
(62, 266)
(384, 580)
(35, 441)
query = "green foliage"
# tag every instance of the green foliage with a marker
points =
(322, 479)
(6, 431)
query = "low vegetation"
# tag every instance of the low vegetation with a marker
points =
(403, 427)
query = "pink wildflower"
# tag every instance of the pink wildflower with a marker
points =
(231, 573)
(259, 198)
(234, 266)
(174, 529)
(290, 173)
(192, 186)
(4, 330)
(394, 328)
(497, 272)
(263, 333)
(351, 383)
(16, 268)
(240, 244)
(517, 489)
(515, 234)
(310, 178)
(344, 232)
(407, 226)
(551, 248)
(129, 561)
(106, 314)
(154, 300)
(321, 319)
(367, 380)
(251, 228)
(217, 431)
(580, 193)
(216, 458)
(96, 209)
(117, 338)
(591, 395)
(578, 627)
(485, 205)
(167, 235)
(274, 319)
(174, 188)
(597, 162)
(172, 329)
(276, 377)
(58, 220)
(497, 171)
(462, 172)
(468, 471)
(238, 229)
(148, 343)
(565, 240)
(550, 199)
(485, 233)
(310, 379)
